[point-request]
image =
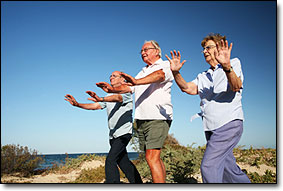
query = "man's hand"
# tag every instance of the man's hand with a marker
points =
(105, 86)
(223, 54)
(94, 97)
(175, 64)
(71, 100)
(131, 81)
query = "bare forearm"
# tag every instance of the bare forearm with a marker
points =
(234, 81)
(187, 87)
(120, 89)
(180, 81)
(157, 76)
(113, 98)
(88, 106)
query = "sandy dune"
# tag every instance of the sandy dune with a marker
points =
(71, 176)
(55, 178)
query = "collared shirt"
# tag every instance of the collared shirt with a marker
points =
(153, 101)
(219, 104)
(119, 116)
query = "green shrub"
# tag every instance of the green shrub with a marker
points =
(19, 159)
(268, 177)
(181, 162)
(91, 176)
(256, 157)
(75, 163)
(96, 175)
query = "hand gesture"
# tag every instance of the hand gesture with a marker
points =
(131, 81)
(175, 64)
(223, 53)
(71, 100)
(94, 97)
(105, 86)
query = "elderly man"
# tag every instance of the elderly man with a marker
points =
(119, 110)
(220, 91)
(153, 107)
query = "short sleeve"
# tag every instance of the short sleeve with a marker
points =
(195, 81)
(102, 104)
(127, 97)
(167, 71)
(132, 89)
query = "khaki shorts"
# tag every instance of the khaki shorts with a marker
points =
(152, 133)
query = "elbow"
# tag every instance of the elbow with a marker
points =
(120, 99)
(236, 89)
(183, 90)
(189, 91)
(161, 75)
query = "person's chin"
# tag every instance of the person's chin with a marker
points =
(207, 59)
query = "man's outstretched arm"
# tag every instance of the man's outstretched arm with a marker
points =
(154, 77)
(88, 106)
(110, 89)
(111, 98)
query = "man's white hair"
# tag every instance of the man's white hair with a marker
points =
(155, 44)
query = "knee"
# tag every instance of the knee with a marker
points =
(203, 167)
(207, 166)
(109, 161)
(152, 158)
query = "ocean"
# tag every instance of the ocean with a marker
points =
(59, 159)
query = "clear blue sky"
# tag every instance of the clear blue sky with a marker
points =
(49, 49)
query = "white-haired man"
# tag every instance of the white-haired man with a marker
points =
(153, 107)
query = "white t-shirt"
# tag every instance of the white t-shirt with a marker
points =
(153, 101)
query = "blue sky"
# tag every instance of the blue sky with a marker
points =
(49, 49)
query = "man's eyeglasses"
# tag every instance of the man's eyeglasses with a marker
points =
(114, 76)
(145, 50)
(207, 48)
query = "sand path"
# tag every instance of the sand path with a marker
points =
(71, 176)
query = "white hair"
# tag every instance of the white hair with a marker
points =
(155, 44)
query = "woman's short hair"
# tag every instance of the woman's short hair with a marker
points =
(216, 37)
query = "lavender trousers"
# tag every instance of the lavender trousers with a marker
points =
(219, 164)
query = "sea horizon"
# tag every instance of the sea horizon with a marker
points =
(60, 159)
(79, 153)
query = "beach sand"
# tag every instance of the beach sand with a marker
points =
(71, 176)
(54, 177)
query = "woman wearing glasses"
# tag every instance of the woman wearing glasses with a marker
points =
(220, 91)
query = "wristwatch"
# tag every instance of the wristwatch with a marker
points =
(228, 71)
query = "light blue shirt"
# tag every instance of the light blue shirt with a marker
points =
(119, 116)
(219, 104)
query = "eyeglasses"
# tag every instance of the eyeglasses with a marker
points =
(114, 76)
(207, 48)
(145, 50)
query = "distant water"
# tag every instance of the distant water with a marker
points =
(59, 159)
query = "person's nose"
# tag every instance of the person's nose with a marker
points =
(204, 50)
